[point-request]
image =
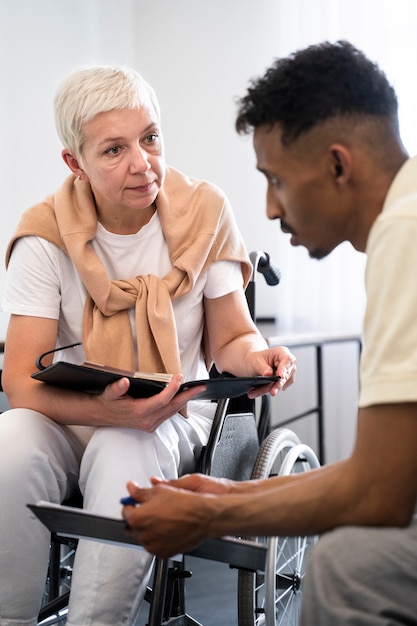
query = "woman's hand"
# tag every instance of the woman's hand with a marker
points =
(145, 414)
(278, 361)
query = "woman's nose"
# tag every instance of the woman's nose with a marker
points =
(140, 160)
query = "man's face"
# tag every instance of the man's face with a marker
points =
(302, 190)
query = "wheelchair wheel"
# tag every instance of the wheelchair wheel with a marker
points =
(273, 597)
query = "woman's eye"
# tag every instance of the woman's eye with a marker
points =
(152, 138)
(113, 150)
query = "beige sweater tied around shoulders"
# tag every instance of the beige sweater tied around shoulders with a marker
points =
(199, 228)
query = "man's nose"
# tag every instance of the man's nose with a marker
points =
(274, 209)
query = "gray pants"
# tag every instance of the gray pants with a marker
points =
(362, 577)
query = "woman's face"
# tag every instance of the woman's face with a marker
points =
(123, 161)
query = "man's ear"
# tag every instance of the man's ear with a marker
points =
(73, 164)
(340, 162)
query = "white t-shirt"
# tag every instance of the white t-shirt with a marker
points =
(43, 282)
(389, 357)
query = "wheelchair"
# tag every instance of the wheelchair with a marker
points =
(270, 596)
(241, 446)
(269, 580)
(268, 592)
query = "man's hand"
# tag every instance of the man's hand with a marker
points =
(167, 521)
(199, 483)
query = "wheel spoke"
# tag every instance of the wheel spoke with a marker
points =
(274, 598)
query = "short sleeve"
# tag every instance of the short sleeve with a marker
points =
(223, 277)
(32, 284)
(389, 357)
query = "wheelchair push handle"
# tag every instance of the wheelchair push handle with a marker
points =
(262, 263)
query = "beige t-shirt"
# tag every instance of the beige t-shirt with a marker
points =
(388, 369)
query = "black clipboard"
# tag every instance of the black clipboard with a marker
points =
(91, 380)
(66, 521)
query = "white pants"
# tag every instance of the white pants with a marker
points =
(362, 577)
(42, 460)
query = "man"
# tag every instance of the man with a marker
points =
(326, 138)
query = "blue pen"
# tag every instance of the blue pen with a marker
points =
(128, 500)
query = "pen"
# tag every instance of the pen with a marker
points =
(128, 500)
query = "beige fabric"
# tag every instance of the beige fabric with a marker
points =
(388, 367)
(199, 228)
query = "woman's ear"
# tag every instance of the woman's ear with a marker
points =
(73, 164)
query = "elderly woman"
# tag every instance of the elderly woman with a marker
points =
(147, 269)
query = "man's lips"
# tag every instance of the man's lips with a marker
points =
(286, 229)
(289, 231)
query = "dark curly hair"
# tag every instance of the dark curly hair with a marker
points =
(314, 85)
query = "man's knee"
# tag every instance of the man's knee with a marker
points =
(336, 555)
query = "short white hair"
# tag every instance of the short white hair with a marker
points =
(92, 90)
